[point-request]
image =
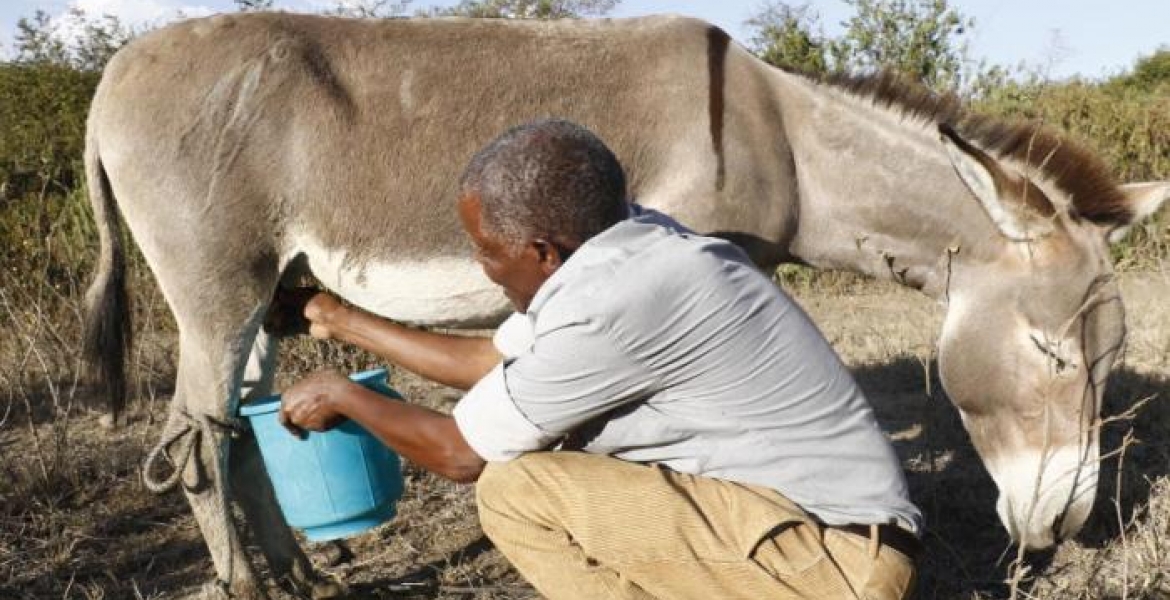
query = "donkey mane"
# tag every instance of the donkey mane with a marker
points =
(1095, 193)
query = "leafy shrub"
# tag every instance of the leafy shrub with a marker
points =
(43, 109)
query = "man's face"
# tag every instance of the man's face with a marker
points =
(518, 266)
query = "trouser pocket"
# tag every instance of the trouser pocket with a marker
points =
(889, 575)
(795, 558)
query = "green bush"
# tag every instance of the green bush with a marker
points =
(46, 233)
(42, 128)
(1150, 74)
(1127, 127)
(47, 245)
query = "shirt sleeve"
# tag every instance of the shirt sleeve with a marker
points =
(514, 336)
(491, 423)
(568, 377)
(574, 373)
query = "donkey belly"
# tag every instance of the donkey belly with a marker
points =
(440, 291)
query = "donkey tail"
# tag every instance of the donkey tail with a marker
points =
(107, 331)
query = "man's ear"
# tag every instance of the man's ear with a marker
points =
(550, 255)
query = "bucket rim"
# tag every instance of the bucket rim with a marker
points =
(271, 404)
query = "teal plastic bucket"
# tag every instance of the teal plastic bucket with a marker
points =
(331, 484)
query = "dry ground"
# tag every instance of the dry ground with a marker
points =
(75, 521)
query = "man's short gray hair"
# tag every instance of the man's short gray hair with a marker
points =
(550, 178)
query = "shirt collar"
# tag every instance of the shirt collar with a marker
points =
(591, 252)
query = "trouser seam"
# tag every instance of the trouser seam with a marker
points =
(845, 576)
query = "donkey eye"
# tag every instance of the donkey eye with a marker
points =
(1053, 351)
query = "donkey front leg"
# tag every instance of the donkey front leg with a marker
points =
(252, 489)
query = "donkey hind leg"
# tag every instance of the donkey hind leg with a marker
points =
(252, 489)
(205, 399)
(217, 328)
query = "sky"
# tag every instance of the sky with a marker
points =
(1087, 38)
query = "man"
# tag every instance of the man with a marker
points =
(657, 420)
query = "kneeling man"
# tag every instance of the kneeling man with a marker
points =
(656, 420)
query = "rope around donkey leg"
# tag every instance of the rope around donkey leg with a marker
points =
(188, 436)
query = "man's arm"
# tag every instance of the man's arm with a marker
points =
(426, 437)
(457, 361)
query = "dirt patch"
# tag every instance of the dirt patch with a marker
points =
(76, 522)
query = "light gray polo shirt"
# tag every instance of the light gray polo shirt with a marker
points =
(655, 345)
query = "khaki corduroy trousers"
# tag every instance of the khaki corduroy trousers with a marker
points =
(584, 526)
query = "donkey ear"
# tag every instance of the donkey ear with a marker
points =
(1017, 207)
(1143, 199)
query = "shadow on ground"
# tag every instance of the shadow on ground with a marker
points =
(968, 553)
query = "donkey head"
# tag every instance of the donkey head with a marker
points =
(1035, 322)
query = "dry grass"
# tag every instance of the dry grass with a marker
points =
(75, 521)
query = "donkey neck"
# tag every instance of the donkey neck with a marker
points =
(877, 194)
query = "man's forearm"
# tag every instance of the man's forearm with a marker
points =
(457, 361)
(426, 437)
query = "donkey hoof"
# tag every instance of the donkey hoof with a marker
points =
(307, 582)
(320, 587)
(218, 590)
(326, 589)
(331, 554)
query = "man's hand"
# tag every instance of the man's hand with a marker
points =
(424, 436)
(311, 404)
(454, 360)
(302, 310)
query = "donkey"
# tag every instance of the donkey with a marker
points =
(245, 150)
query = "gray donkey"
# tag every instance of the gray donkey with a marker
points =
(246, 150)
